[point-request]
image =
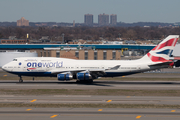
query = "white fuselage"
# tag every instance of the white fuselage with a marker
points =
(48, 66)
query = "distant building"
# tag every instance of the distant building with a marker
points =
(113, 19)
(103, 19)
(88, 19)
(74, 23)
(22, 22)
(89, 54)
(43, 40)
(14, 41)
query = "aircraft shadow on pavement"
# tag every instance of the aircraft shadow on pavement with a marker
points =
(97, 83)
(60, 83)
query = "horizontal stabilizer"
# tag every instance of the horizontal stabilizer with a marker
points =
(175, 58)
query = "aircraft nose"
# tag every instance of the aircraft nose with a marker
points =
(4, 67)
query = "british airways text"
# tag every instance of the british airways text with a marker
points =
(46, 64)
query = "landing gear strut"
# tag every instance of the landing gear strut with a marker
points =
(20, 79)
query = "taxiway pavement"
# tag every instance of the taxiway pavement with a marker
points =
(87, 99)
(88, 114)
(98, 84)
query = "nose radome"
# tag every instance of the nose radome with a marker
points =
(3, 67)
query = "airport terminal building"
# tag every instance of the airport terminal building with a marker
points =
(84, 51)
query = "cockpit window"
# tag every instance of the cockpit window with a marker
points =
(14, 59)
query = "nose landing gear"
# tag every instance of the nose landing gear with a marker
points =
(20, 79)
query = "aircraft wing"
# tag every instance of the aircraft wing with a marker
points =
(56, 71)
(114, 68)
(94, 72)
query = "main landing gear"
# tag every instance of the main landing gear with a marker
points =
(20, 79)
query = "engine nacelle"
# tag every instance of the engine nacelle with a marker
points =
(84, 76)
(64, 76)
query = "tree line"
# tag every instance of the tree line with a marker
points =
(90, 33)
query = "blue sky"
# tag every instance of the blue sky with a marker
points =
(128, 11)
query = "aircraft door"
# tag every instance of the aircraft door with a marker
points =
(21, 66)
(138, 67)
(77, 66)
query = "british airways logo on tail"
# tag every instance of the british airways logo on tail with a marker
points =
(45, 64)
(166, 52)
(163, 51)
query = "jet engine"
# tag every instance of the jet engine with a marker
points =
(64, 76)
(84, 76)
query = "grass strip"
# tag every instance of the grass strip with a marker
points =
(89, 105)
(114, 92)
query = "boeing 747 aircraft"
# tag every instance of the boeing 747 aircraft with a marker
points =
(88, 70)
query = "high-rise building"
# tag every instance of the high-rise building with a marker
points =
(103, 19)
(88, 19)
(73, 23)
(113, 19)
(22, 22)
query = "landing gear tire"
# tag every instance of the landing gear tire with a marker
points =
(20, 79)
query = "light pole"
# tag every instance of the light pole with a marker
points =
(63, 38)
(27, 38)
(119, 35)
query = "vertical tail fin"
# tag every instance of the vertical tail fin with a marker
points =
(163, 51)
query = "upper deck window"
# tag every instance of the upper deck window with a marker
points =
(14, 59)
